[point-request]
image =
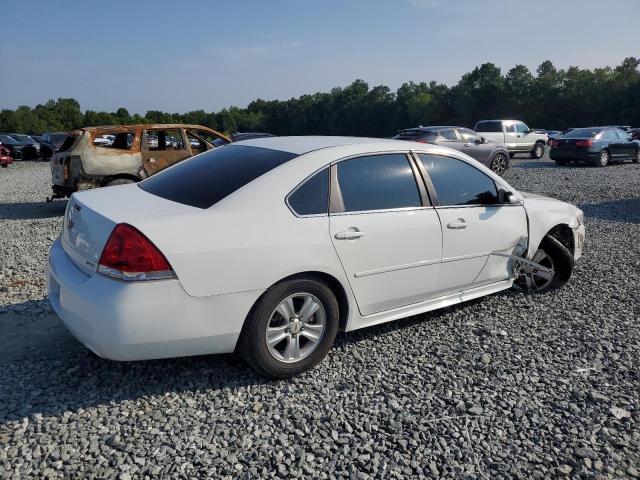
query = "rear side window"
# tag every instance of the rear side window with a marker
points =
(312, 197)
(490, 126)
(204, 180)
(377, 182)
(458, 183)
(449, 134)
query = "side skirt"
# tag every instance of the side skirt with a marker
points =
(428, 305)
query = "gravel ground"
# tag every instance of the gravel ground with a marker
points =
(512, 386)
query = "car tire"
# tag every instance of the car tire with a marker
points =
(4, 165)
(118, 181)
(553, 254)
(603, 159)
(278, 358)
(538, 151)
(499, 164)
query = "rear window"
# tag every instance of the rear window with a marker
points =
(204, 180)
(583, 133)
(414, 134)
(489, 126)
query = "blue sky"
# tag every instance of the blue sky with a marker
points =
(181, 56)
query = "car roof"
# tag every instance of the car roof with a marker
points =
(305, 144)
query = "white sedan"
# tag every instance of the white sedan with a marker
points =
(272, 246)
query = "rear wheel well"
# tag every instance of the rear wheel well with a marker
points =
(110, 178)
(564, 234)
(334, 285)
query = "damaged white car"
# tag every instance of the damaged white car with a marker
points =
(272, 246)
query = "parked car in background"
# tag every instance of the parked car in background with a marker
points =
(136, 152)
(5, 156)
(30, 147)
(595, 145)
(491, 154)
(252, 248)
(515, 135)
(20, 148)
(50, 142)
(239, 136)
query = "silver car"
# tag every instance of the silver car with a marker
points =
(491, 154)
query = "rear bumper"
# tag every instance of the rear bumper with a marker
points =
(580, 155)
(142, 320)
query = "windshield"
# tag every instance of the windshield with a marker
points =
(7, 140)
(583, 133)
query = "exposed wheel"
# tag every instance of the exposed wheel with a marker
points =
(603, 159)
(290, 329)
(538, 151)
(636, 159)
(499, 164)
(5, 165)
(552, 255)
(118, 181)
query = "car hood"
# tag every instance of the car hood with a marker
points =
(535, 195)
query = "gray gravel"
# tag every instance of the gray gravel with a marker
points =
(512, 386)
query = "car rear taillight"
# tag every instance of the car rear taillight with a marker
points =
(584, 143)
(553, 143)
(129, 255)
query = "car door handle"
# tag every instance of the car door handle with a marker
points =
(349, 235)
(467, 145)
(459, 224)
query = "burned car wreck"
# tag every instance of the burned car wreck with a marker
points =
(133, 153)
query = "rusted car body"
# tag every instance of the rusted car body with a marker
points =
(85, 161)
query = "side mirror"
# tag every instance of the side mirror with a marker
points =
(505, 196)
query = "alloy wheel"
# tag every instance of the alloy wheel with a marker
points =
(604, 158)
(539, 151)
(499, 164)
(295, 327)
(533, 279)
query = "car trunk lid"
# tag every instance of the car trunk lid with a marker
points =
(91, 216)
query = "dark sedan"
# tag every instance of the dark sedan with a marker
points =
(50, 143)
(19, 148)
(31, 147)
(491, 154)
(596, 145)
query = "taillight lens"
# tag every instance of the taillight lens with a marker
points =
(129, 255)
(584, 143)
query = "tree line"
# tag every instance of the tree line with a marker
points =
(551, 98)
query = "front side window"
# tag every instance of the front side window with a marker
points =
(609, 135)
(378, 182)
(458, 183)
(521, 127)
(468, 136)
(622, 135)
(312, 197)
